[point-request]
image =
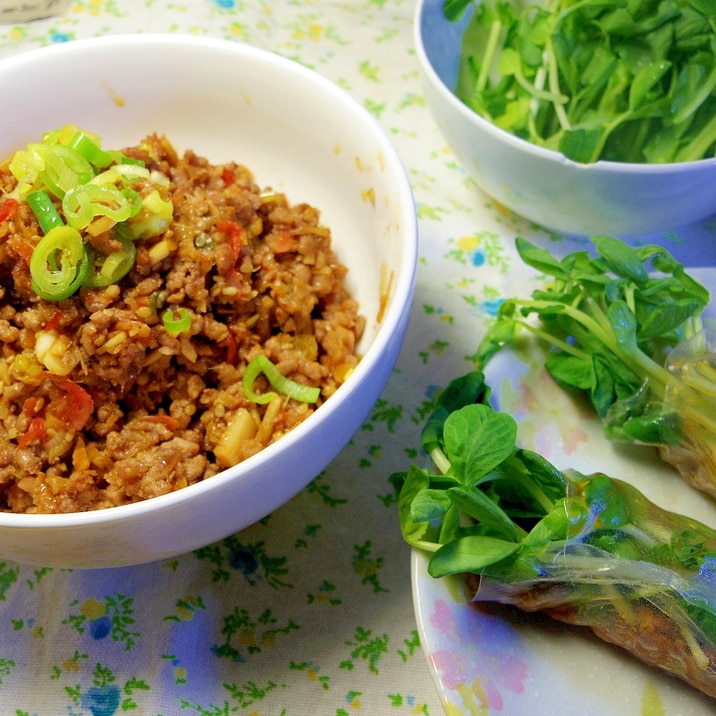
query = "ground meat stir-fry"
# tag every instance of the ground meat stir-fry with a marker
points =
(103, 405)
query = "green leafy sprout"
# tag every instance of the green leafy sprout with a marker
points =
(620, 80)
(626, 330)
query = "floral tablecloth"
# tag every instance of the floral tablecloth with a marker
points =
(308, 612)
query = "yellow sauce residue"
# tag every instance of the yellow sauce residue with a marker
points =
(369, 195)
(381, 161)
(114, 96)
(337, 148)
(359, 164)
(386, 286)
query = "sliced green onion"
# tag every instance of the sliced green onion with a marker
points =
(106, 269)
(129, 160)
(134, 200)
(64, 168)
(261, 364)
(120, 158)
(175, 326)
(59, 264)
(90, 150)
(26, 166)
(61, 135)
(44, 210)
(158, 206)
(121, 173)
(84, 203)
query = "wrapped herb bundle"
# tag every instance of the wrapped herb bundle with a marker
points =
(588, 550)
(625, 329)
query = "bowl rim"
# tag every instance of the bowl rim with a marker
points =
(401, 290)
(550, 155)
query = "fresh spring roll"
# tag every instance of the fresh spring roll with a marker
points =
(627, 331)
(588, 550)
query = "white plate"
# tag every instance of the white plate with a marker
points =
(487, 659)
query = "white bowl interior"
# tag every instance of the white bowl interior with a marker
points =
(297, 133)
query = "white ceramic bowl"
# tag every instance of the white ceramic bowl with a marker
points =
(299, 134)
(611, 198)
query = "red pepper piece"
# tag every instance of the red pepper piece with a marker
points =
(7, 209)
(236, 234)
(52, 323)
(232, 349)
(75, 405)
(36, 431)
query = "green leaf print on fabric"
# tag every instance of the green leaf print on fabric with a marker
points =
(310, 532)
(322, 489)
(186, 608)
(325, 594)
(244, 634)
(8, 577)
(483, 248)
(366, 647)
(375, 108)
(313, 673)
(6, 666)
(105, 697)
(248, 559)
(412, 646)
(367, 567)
(248, 694)
(244, 697)
(384, 412)
(399, 700)
(435, 349)
(111, 617)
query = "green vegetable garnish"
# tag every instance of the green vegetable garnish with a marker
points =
(94, 192)
(105, 270)
(44, 210)
(261, 364)
(59, 264)
(86, 202)
(589, 550)
(597, 79)
(176, 324)
(90, 150)
(625, 329)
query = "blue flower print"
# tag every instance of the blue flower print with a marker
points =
(102, 701)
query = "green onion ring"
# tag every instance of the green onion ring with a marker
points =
(261, 364)
(64, 168)
(88, 149)
(59, 264)
(175, 326)
(105, 270)
(85, 202)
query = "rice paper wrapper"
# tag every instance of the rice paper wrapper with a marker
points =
(658, 603)
(692, 400)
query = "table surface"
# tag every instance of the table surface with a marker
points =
(309, 611)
